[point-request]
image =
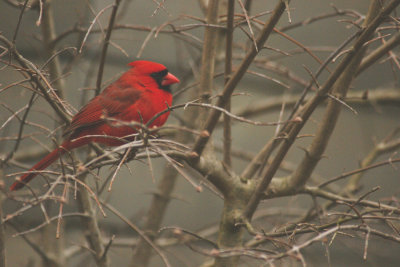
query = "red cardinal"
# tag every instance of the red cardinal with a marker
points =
(138, 95)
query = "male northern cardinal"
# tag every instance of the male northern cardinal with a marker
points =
(138, 95)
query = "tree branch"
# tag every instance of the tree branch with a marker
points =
(212, 119)
(309, 108)
(105, 45)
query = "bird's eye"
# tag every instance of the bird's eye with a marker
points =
(159, 76)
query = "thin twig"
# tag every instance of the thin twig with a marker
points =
(19, 21)
(105, 46)
(137, 230)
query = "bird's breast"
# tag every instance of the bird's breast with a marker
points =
(149, 105)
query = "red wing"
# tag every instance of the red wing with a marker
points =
(114, 100)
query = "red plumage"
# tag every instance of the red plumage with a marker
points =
(138, 95)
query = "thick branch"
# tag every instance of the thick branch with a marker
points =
(309, 108)
(328, 122)
(49, 34)
(228, 71)
(274, 103)
(209, 50)
(379, 52)
(212, 119)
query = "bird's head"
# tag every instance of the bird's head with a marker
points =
(156, 71)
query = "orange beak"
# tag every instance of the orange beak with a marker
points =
(169, 79)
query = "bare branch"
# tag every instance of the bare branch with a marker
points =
(306, 112)
(105, 45)
(236, 77)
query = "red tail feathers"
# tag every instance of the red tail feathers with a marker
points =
(41, 165)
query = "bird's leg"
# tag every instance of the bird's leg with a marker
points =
(132, 154)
